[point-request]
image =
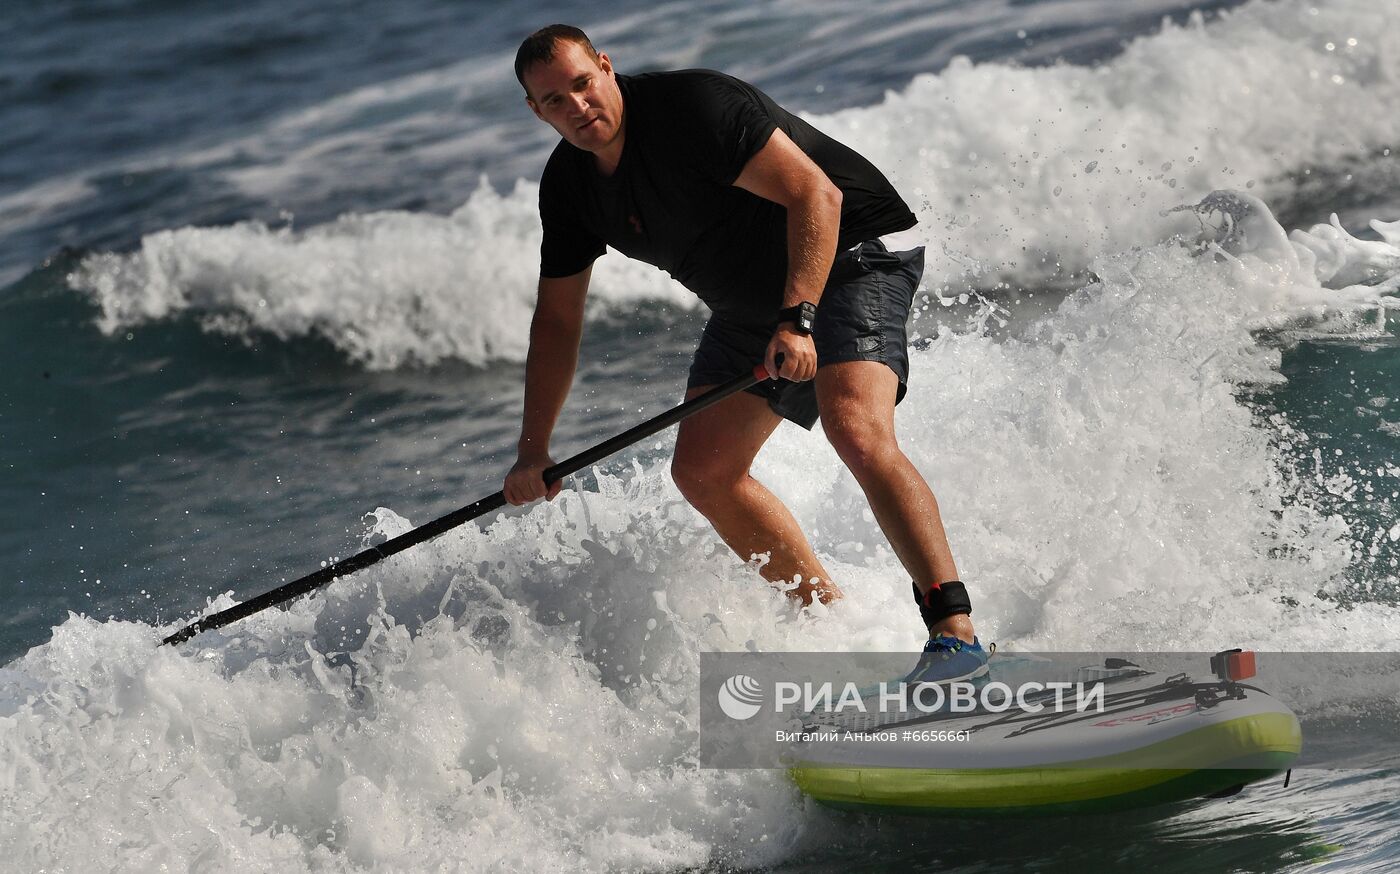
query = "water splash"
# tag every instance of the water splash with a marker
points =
(524, 693)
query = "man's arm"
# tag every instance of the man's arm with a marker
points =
(782, 172)
(555, 331)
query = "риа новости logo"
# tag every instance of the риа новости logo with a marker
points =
(740, 696)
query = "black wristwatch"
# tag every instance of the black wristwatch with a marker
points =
(803, 316)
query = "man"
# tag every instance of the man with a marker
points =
(776, 227)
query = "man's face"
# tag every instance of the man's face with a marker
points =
(577, 96)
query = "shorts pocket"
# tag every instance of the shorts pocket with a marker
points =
(851, 318)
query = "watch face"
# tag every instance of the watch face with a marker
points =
(802, 316)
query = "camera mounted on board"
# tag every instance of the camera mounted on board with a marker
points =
(1233, 665)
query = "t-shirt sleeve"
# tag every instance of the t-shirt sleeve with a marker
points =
(567, 247)
(730, 126)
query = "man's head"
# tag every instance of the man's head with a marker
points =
(571, 86)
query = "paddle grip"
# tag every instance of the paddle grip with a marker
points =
(760, 371)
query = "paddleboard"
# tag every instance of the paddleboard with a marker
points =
(1150, 739)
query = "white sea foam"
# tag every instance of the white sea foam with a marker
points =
(1018, 171)
(387, 288)
(1013, 171)
(523, 697)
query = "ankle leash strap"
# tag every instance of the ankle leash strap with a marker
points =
(942, 600)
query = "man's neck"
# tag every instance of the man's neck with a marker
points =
(607, 162)
(607, 159)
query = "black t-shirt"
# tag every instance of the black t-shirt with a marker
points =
(671, 201)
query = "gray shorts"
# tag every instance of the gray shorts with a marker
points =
(861, 317)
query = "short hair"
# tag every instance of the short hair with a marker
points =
(540, 46)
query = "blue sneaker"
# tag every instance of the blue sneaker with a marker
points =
(948, 659)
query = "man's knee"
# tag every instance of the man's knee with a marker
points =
(704, 480)
(863, 446)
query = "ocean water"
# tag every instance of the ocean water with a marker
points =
(265, 288)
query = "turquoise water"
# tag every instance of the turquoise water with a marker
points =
(268, 278)
(1340, 394)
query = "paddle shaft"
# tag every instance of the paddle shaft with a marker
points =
(375, 554)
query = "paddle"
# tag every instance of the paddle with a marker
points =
(432, 529)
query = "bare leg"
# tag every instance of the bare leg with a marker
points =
(856, 399)
(714, 450)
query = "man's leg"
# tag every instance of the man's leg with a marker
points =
(857, 399)
(714, 450)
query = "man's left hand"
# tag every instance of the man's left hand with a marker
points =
(798, 351)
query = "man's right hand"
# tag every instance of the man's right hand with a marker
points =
(525, 482)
